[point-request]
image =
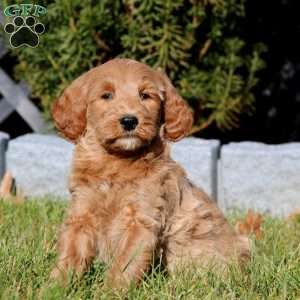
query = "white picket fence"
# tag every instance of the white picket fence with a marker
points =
(14, 97)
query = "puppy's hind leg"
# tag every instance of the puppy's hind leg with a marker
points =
(202, 236)
(76, 247)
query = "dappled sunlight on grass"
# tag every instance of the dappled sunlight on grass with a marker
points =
(27, 253)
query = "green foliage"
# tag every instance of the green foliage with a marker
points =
(198, 43)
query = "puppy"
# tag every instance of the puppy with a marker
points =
(130, 201)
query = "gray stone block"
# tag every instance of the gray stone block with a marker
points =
(263, 177)
(40, 164)
(4, 138)
(199, 159)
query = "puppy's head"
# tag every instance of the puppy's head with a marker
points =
(125, 103)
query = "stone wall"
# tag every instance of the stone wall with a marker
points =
(238, 175)
(4, 138)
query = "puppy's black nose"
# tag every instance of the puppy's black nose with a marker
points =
(129, 122)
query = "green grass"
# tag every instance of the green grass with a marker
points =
(27, 253)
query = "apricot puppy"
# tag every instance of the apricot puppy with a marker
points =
(130, 200)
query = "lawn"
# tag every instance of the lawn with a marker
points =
(27, 253)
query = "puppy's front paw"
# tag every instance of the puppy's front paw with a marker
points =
(59, 275)
(115, 280)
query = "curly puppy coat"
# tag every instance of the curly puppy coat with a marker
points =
(130, 201)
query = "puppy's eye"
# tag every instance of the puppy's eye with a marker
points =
(144, 96)
(107, 96)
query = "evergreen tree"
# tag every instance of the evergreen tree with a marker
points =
(199, 43)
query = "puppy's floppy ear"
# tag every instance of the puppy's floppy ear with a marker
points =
(177, 114)
(69, 110)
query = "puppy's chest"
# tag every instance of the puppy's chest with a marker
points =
(136, 190)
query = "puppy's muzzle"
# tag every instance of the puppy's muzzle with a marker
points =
(129, 122)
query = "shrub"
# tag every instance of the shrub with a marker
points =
(198, 43)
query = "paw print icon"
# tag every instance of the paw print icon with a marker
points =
(24, 31)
